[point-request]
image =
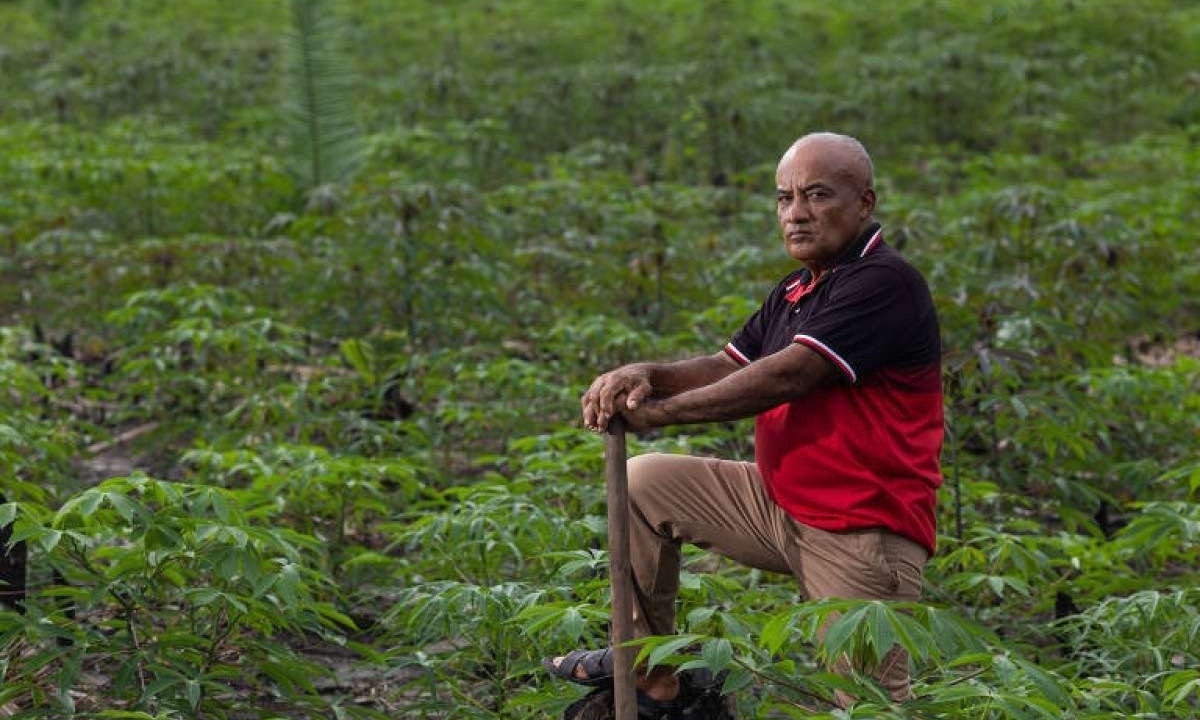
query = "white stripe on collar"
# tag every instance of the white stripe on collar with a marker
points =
(875, 240)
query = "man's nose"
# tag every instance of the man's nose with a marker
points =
(797, 209)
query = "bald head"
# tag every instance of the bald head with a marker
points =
(825, 198)
(844, 155)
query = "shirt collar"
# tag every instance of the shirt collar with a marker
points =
(867, 241)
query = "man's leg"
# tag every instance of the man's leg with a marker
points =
(719, 505)
(870, 565)
(715, 504)
(723, 506)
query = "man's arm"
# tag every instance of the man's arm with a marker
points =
(628, 386)
(761, 385)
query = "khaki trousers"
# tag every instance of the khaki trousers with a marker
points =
(722, 506)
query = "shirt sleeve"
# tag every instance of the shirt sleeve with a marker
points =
(866, 323)
(746, 345)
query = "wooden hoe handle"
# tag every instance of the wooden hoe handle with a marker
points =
(624, 693)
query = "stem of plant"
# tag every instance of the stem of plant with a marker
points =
(779, 681)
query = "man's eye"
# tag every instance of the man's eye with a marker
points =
(816, 194)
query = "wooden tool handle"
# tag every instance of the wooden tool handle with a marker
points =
(624, 692)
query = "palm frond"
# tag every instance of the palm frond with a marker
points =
(319, 110)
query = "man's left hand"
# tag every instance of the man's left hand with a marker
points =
(647, 414)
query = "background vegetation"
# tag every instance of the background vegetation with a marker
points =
(297, 300)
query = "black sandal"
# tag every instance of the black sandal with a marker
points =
(699, 698)
(597, 664)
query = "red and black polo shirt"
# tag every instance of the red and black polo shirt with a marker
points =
(862, 453)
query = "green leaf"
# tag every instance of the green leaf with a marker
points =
(361, 357)
(882, 632)
(220, 506)
(737, 680)
(699, 616)
(168, 679)
(287, 583)
(1048, 685)
(290, 674)
(204, 596)
(982, 659)
(839, 637)
(192, 690)
(334, 616)
(717, 654)
(48, 539)
(658, 650)
(125, 507)
(89, 501)
(778, 630)
(572, 622)
(1178, 686)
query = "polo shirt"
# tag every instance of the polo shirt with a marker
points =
(864, 452)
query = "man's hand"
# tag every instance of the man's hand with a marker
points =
(619, 390)
(705, 389)
(648, 414)
(644, 392)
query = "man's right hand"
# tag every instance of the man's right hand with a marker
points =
(623, 388)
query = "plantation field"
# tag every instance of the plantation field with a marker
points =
(297, 300)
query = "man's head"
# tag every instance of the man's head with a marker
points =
(824, 195)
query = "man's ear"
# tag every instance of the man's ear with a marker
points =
(868, 203)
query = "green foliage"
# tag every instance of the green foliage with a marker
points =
(185, 601)
(132, 179)
(332, 276)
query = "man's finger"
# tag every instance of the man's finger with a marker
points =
(606, 395)
(636, 395)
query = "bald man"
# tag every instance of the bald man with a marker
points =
(841, 369)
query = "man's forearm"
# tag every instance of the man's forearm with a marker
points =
(672, 378)
(760, 386)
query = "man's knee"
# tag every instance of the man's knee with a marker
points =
(642, 469)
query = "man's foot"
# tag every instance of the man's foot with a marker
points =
(586, 667)
(595, 668)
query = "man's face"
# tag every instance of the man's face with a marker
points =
(823, 204)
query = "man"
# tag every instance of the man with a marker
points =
(841, 367)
